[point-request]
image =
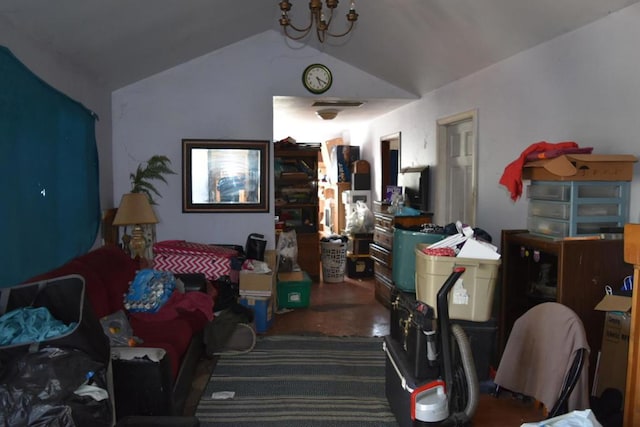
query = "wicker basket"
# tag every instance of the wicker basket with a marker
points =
(334, 260)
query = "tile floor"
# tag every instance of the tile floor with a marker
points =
(350, 309)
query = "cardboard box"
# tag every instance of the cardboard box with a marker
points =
(257, 284)
(290, 276)
(612, 364)
(261, 284)
(581, 167)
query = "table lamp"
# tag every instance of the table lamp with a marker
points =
(135, 210)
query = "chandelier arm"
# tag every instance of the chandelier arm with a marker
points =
(328, 21)
(341, 34)
(305, 29)
(301, 36)
(316, 17)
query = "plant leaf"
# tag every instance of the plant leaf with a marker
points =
(155, 169)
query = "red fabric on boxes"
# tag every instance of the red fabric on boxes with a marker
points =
(180, 256)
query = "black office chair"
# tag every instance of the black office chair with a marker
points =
(546, 358)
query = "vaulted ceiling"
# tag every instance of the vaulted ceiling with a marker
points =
(416, 45)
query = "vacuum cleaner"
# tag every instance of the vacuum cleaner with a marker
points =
(449, 395)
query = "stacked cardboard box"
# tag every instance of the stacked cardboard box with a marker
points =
(612, 363)
(257, 291)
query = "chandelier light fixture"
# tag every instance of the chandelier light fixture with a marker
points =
(317, 16)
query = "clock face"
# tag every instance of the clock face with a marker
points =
(317, 78)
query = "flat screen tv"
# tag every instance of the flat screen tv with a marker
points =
(415, 183)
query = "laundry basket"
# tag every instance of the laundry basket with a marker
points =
(333, 256)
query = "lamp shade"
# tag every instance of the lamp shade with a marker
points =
(135, 209)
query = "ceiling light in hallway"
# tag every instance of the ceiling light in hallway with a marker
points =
(327, 114)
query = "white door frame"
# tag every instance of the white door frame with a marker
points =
(442, 184)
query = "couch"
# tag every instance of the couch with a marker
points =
(177, 328)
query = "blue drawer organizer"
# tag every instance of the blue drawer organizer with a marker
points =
(576, 208)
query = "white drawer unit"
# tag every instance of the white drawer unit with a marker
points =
(576, 208)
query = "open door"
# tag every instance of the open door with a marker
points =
(390, 161)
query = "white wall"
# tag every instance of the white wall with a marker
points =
(75, 83)
(227, 94)
(583, 86)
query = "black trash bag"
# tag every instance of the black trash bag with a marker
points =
(608, 407)
(481, 234)
(37, 389)
(218, 332)
(228, 293)
(255, 246)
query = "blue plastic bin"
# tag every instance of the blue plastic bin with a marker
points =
(404, 256)
(262, 311)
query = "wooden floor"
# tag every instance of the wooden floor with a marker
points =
(350, 309)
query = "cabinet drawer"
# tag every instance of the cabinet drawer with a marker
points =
(382, 272)
(383, 293)
(381, 255)
(383, 221)
(383, 237)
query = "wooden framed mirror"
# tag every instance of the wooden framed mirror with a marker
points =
(225, 175)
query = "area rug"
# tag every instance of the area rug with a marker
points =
(301, 381)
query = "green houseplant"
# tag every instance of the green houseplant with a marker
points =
(135, 207)
(153, 169)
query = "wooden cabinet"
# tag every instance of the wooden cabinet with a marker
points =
(296, 200)
(381, 250)
(571, 272)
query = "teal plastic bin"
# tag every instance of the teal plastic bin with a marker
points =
(404, 256)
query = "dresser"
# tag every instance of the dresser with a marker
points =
(381, 250)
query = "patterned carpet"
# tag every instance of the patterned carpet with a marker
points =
(302, 381)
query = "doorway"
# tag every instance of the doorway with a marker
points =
(456, 194)
(390, 161)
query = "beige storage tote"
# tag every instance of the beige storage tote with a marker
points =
(471, 298)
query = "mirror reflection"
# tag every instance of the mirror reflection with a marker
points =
(225, 176)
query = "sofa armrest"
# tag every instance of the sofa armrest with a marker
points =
(193, 281)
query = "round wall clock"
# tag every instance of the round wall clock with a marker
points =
(317, 78)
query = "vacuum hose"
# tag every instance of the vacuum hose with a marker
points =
(469, 368)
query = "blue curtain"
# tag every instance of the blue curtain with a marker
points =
(49, 188)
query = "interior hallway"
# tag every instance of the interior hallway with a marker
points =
(350, 309)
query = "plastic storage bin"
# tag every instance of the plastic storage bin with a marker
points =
(359, 266)
(471, 298)
(404, 258)
(262, 310)
(294, 294)
(576, 208)
(142, 381)
(482, 339)
(333, 257)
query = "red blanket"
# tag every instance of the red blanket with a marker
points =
(191, 302)
(512, 175)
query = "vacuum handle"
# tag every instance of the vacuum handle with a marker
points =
(444, 325)
(442, 299)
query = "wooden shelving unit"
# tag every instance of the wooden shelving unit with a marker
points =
(571, 272)
(296, 200)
